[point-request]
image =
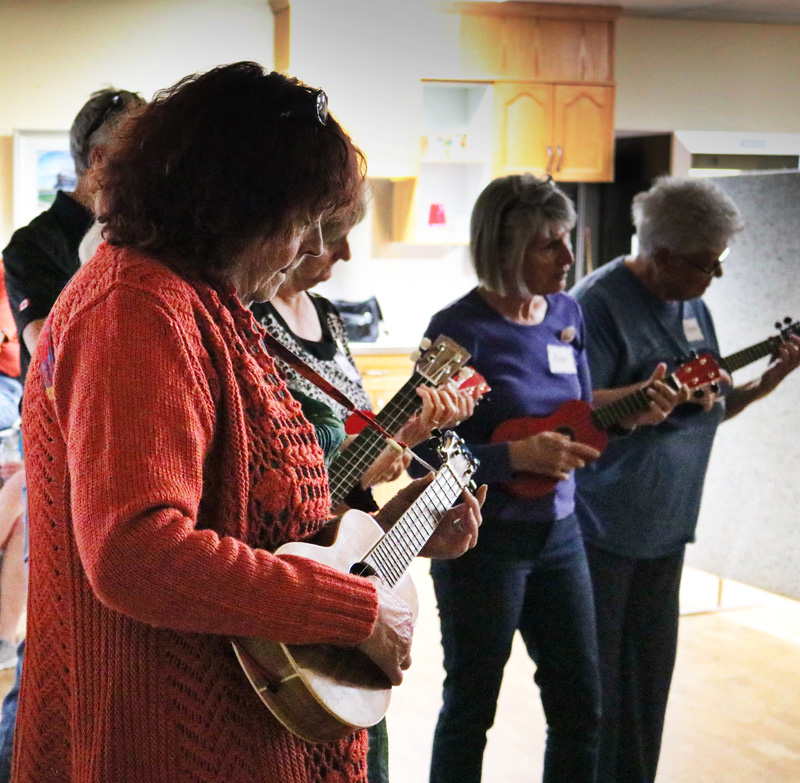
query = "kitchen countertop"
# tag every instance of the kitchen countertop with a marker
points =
(380, 347)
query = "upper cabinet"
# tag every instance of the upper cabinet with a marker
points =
(443, 97)
(553, 72)
(566, 131)
(537, 42)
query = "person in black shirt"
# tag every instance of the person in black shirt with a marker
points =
(40, 260)
(42, 257)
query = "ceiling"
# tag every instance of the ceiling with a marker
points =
(767, 11)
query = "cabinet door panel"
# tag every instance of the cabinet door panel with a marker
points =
(561, 42)
(597, 54)
(583, 129)
(383, 375)
(523, 120)
(521, 48)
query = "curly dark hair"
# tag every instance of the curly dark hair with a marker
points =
(220, 159)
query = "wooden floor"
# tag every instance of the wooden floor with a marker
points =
(734, 713)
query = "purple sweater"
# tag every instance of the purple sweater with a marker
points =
(515, 361)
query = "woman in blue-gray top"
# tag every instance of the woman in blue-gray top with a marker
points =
(528, 571)
(638, 504)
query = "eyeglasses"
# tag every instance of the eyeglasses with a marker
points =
(115, 105)
(314, 107)
(706, 269)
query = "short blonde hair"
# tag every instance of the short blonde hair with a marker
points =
(509, 214)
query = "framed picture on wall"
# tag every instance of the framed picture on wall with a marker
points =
(42, 166)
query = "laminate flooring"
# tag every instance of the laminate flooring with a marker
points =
(734, 712)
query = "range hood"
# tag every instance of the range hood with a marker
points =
(731, 152)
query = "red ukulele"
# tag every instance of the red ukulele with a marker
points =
(580, 422)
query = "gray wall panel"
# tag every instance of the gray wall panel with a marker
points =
(749, 526)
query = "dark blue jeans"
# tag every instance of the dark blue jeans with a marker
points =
(8, 720)
(533, 579)
(637, 604)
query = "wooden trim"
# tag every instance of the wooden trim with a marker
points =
(281, 40)
(498, 79)
(278, 5)
(605, 13)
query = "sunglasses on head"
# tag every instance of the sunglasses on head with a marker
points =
(115, 105)
(313, 106)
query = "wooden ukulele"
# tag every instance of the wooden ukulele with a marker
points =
(322, 692)
(437, 364)
(758, 351)
(580, 422)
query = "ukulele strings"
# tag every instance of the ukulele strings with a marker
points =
(392, 555)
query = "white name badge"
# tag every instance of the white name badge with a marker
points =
(344, 365)
(562, 360)
(692, 330)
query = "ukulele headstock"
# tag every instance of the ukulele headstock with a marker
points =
(454, 453)
(470, 381)
(439, 361)
(787, 328)
(700, 371)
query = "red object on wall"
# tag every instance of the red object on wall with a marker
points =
(436, 215)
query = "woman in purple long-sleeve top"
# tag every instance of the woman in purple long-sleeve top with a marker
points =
(528, 571)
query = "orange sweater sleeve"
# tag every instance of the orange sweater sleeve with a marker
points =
(134, 404)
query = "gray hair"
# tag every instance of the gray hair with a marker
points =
(684, 216)
(509, 214)
(96, 122)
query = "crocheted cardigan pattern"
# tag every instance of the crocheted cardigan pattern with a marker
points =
(166, 459)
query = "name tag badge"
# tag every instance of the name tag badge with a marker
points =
(692, 330)
(562, 360)
(344, 365)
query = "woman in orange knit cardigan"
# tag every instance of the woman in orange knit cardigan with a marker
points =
(167, 461)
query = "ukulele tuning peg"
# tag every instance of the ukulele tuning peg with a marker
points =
(680, 359)
(415, 355)
(424, 344)
(787, 320)
(778, 325)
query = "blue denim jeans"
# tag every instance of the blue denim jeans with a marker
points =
(637, 605)
(10, 395)
(535, 580)
(8, 720)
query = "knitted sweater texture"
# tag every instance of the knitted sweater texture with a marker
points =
(165, 460)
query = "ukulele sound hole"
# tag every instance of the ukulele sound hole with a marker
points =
(362, 569)
(566, 431)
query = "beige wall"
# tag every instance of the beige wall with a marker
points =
(370, 56)
(675, 75)
(54, 54)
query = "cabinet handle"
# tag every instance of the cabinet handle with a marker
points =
(560, 154)
(549, 159)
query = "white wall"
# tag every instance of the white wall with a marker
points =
(677, 75)
(670, 75)
(53, 55)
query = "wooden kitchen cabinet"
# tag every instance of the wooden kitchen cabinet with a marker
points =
(563, 130)
(383, 375)
(583, 132)
(535, 43)
(522, 128)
